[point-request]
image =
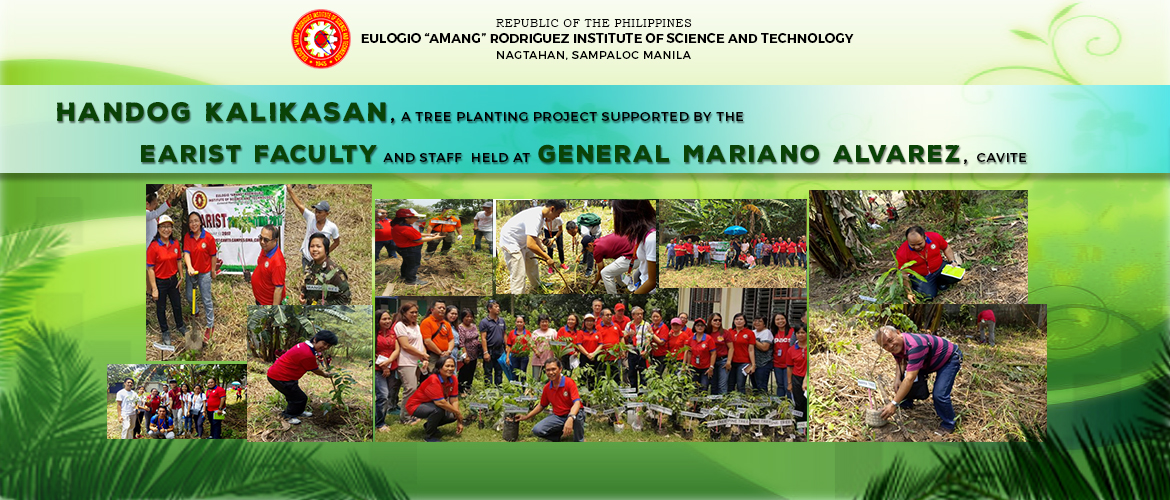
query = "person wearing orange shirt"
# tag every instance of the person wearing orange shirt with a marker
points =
(436, 332)
(449, 228)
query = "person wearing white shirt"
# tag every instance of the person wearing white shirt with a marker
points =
(520, 244)
(485, 222)
(128, 404)
(198, 403)
(763, 355)
(316, 221)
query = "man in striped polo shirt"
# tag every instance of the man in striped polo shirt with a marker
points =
(919, 355)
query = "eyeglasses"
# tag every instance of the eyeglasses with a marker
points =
(265, 240)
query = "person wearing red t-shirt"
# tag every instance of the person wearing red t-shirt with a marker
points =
(201, 263)
(743, 352)
(268, 278)
(216, 400)
(383, 237)
(701, 356)
(608, 331)
(588, 343)
(782, 334)
(285, 374)
(408, 242)
(677, 338)
(872, 199)
(802, 253)
(721, 337)
(985, 322)
(561, 394)
(568, 335)
(620, 320)
(437, 400)
(930, 253)
(796, 357)
(175, 396)
(517, 348)
(162, 272)
(661, 331)
(386, 381)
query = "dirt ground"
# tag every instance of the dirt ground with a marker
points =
(233, 427)
(715, 275)
(354, 423)
(463, 271)
(993, 276)
(997, 388)
(351, 207)
(574, 280)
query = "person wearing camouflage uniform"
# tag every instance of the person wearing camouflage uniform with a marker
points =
(326, 283)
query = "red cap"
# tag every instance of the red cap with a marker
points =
(407, 212)
(619, 307)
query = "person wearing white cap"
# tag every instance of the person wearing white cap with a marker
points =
(162, 271)
(520, 242)
(485, 222)
(316, 221)
(409, 242)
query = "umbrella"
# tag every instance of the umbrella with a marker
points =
(735, 230)
(235, 383)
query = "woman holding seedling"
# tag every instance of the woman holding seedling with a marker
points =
(326, 283)
(542, 350)
(568, 335)
(517, 343)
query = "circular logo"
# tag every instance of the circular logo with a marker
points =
(321, 38)
(203, 245)
(566, 393)
(266, 264)
(200, 200)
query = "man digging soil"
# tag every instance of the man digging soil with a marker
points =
(919, 355)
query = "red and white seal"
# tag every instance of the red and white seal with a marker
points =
(321, 38)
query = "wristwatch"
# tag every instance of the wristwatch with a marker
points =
(895, 403)
(574, 417)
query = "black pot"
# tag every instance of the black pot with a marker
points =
(511, 429)
(688, 433)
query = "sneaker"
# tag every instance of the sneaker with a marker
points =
(432, 440)
(294, 421)
(384, 428)
(307, 414)
(207, 334)
(564, 266)
(943, 430)
(166, 337)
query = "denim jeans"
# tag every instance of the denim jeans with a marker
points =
(199, 419)
(719, 385)
(782, 382)
(518, 363)
(482, 236)
(388, 245)
(553, 427)
(411, 259)
(203, 281)
(700, 377)
(944, 381)
(935, 283)
(739, 376)
(385, 395)
(762, 374)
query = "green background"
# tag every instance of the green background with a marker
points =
(1097, 253)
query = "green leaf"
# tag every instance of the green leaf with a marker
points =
(1060, 15)
(1028, 36)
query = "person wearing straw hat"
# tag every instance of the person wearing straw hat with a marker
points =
(316, 221)
(485, 222)
(409, 242)
(919, 355)
(162, 271)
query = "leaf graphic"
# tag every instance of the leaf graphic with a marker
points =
(1060, 15)
(1028, 36)
(27, 260)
